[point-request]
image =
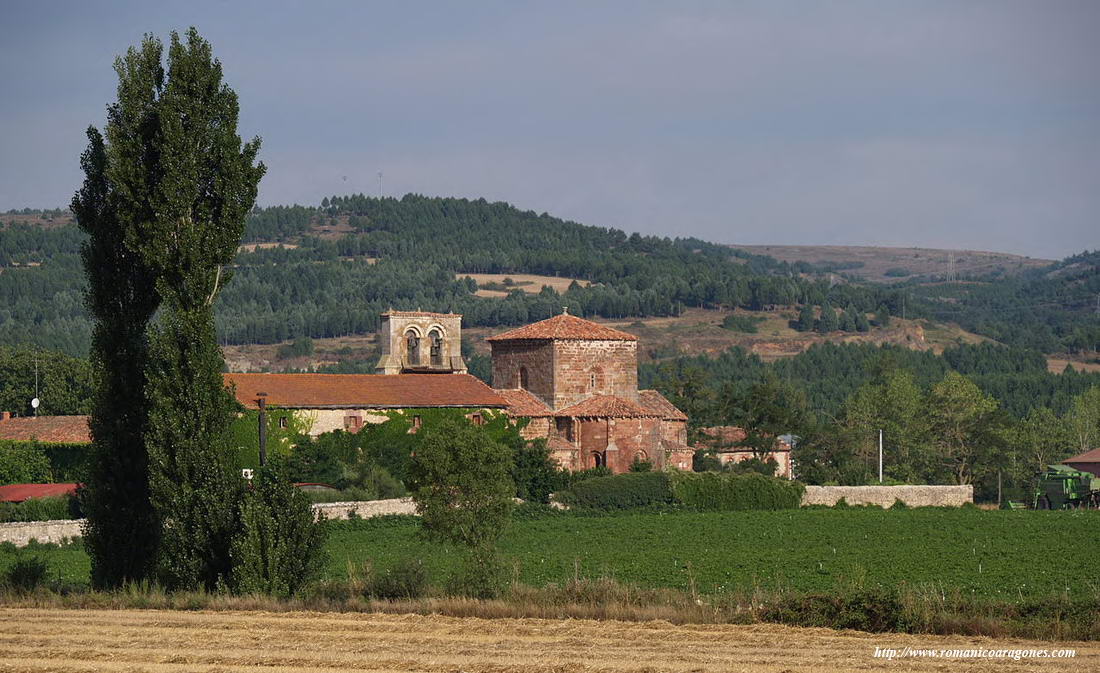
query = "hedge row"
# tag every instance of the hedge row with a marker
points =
(621, 491)
(41, 462)
(705, 492)
(40, 509)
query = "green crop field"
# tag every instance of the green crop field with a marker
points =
(995, 554)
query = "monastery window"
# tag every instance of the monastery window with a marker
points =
(435, 344)
(523, 378)
(412, 347)
(477, 419)
(352, 423)
(282, 422)
(595, 379)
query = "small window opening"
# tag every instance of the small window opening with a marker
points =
(412, 347)
(598, 459)
(523, 378)
(477, 419)
(282, 422)
(435, 344)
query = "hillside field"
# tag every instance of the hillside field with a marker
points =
(873, 262)
(995, 554)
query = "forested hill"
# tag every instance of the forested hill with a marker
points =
(357, 256)
(1051, 309)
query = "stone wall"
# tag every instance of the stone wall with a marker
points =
(613, 365)
(884, 496)
(21, 533)
(536, 357)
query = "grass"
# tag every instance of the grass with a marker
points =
(991, 554)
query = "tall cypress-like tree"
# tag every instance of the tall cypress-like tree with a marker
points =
(121, 533)
(206, 185)
(165, 200)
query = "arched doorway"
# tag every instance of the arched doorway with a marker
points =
(598, 459)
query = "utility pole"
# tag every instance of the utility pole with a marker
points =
(880, 456)
(379, 184)
(263, 427)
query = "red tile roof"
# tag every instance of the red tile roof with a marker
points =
(364, 391)
(563, 327)
(61, 429)
(1092, 456)
(522, 403)
(21, 492)
(607, 406)
(656, 402)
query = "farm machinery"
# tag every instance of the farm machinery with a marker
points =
(1062, 487)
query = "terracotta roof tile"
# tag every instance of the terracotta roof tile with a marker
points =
(655, 401)
(522, 403)
(364, 391)
(607, 406)
(1092, 456)
(62, 429)
(21, 492)
(564, 327)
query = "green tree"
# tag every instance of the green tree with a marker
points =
(961, 417)
(828, 322)
(462, 485)
(895, 405)
(882, 316)
(769, 409)
(805, 318)
(1084, 419)
(121, 533)
(848, 320)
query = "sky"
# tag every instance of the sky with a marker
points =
(955, 124)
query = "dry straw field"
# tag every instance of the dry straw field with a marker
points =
(34, 639)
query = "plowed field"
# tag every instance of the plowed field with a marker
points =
(149, 640)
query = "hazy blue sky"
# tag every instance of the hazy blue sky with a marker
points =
(940, 124)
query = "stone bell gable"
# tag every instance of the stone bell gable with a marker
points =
(420, 342)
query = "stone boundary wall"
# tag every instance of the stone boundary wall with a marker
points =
(21, 533)
(365, 509)
(884, 496)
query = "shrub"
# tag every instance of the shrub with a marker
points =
(481, 574)
(875, 610)
(406, 579)
(23, 463)
(620, 491)
(742, 323)
(897, 272)
(40, 509)
(709, 491)
(26, 574)
(279, 548)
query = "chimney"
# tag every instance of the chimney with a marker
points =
(5, 415)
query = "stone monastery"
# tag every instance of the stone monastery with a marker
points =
(575, 381)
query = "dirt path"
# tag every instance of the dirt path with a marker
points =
(150, 640)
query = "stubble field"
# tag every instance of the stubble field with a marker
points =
(34, 639)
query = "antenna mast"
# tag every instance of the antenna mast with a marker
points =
(379, 184)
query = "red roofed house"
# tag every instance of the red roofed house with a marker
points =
(577, 382)
(1088, 461)
(725, 441)
(47, 429)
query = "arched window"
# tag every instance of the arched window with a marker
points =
(435, 343)
(641, 457)
(412, 347)
(598, 459)
(595, 379)
(522, 376)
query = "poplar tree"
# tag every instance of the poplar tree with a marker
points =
(164, 200)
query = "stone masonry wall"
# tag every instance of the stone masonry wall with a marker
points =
(884, 496)
(614, 363)
(21, 533)
(631, 438)
(536, 356)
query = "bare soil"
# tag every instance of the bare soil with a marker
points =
(917, 261)
(34, 639)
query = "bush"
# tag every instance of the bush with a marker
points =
(481, 575)
(40, 509)
(897, 272)
(742, 323)
(876, 610)
(406, 579)
(709, 491)
(24, 463)
(620, 491)
(279, 548)
(26, 574)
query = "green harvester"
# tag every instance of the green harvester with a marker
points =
(1062, 487)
